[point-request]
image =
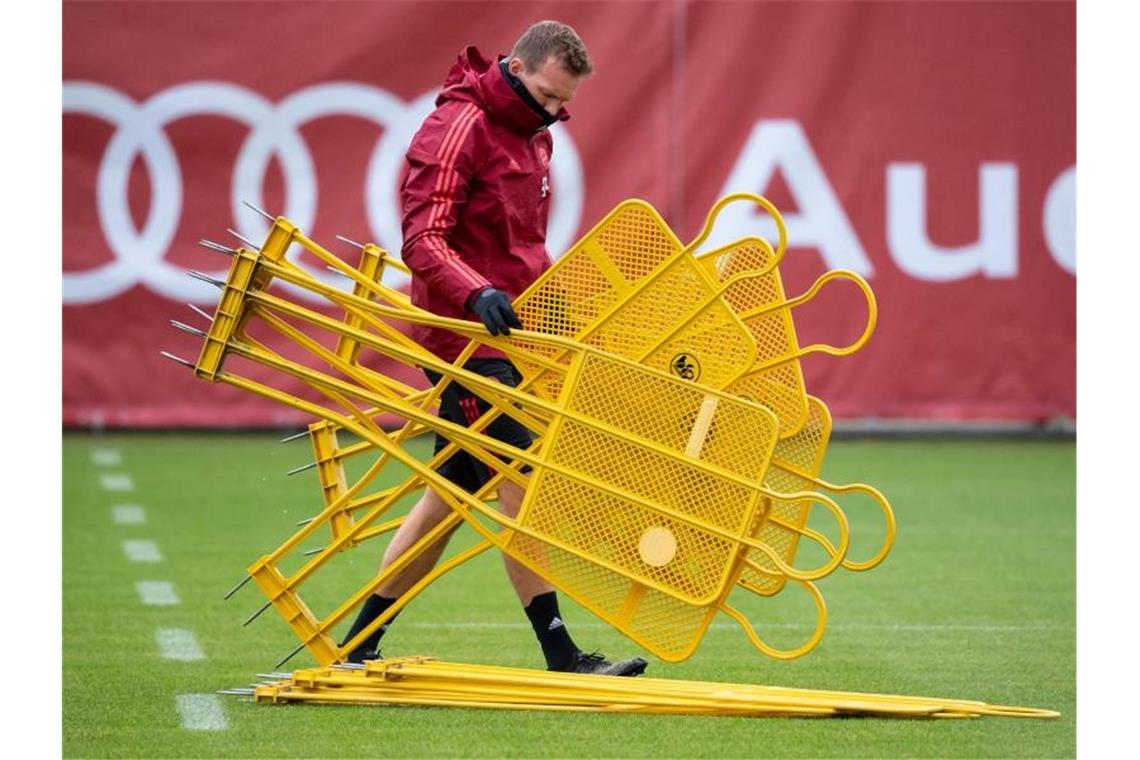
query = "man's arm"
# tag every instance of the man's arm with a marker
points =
(441, 164)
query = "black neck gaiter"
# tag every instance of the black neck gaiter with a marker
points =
(521, 90)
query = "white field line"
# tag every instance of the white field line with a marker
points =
(142, 551)
(116, 481)
(128, 514)
(201, 712)
(794, 626)
(106, 457)
(178, 644)
(157, 593)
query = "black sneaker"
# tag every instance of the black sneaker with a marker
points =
(597, 664)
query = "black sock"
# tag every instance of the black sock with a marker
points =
(373, 607)
(557, 646)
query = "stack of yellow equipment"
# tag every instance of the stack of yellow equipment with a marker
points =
(648, 517)
(426, 681)
(719, 318)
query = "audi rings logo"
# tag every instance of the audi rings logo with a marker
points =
(139, 254)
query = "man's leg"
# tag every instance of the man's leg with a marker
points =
(527, 584)
(428, 512)
(537, 596)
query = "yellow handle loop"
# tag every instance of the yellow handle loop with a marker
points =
(835, 274)
(835, 554)
(784, 654)
(710, 220)
(888, 515)
(872, 314)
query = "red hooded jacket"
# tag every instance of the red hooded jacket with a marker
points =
(476, 197)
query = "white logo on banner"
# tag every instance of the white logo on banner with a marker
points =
(1060, 220)
(821, 222)
(139, 255)
(994, 254)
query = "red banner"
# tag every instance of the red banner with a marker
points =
(928, 146)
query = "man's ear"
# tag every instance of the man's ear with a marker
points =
(515, 66)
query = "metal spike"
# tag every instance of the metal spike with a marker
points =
(172, 357)
(236, 692)
(290, 656)
(187, 328)
(346, 666)
(201, 313)
(350, 242)
(274, 676)
(236, 588)
(294, 437)
(260, 211)
(216, 247)
(311, 552)
(254, 246)
(337, 271)
(306, 521)
(205, 278)
(302, 468)
(255, 615)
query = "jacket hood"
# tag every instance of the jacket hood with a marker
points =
(475, 79)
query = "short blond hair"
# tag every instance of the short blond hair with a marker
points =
(553, 38)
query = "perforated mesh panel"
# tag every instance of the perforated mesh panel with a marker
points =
(649, 412)
(713, 348)
(636, 240)
(781, 387)
(666, 627)
(795, 459)
(662, 410)
(675, 629)
(591, 277)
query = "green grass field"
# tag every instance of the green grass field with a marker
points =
(977, 601)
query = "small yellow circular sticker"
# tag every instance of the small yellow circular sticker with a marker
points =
(658, 546)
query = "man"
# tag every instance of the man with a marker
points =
(475, 206)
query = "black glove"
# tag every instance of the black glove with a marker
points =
(494, 308)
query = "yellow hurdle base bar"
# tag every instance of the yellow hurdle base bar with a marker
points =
(427, 681)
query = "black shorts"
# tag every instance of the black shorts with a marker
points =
(459, 405)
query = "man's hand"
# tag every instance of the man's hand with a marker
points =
(494, 308)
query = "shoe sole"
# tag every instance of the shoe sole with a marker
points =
(635, 668)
